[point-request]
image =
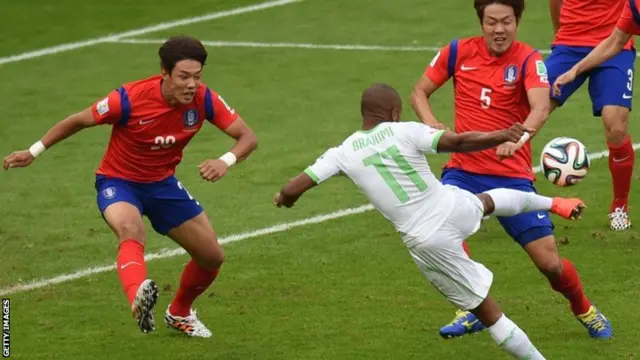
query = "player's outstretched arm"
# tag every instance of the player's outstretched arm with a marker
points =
(291, 192)
(475, 141)
(246, 143)
(607, 49)
(57, 133)
(420, 102)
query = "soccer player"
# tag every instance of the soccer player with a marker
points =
(579, 26)
(385, 159)
(152, 121)
(499, 82)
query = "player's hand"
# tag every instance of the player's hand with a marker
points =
(213, 170)
(18, 159)
(279, 201)
(564, 79)
(516, 133)
(507, 149)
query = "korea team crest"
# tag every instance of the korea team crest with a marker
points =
(190, 118)
(510, 74)
(109, 193)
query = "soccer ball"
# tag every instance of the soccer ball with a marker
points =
(565, 161)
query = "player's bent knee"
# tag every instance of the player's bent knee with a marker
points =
(126, 221)
(551, 266)
(615, 120)
(130, 230)
(544, 254)
(210, 258)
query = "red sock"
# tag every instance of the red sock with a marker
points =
(621, 159)
(132, 270)
(466, 248)
(194, 281)
(568, 284)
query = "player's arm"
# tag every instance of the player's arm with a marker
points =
(476, 141)
(420, 102)
(607, 49)
(291, 192)
(540, 104)
(228, 120)
(246, 139)
(554, 12)
(436, 74)
(102, 112)
(430, 140)
(324, 168)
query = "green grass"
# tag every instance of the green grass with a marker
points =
(344, 289)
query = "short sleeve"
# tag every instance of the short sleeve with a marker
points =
(424, 137)
(109, 109)
(218, 112)
(438, 69)
(326, 166)
(535, 72)
(626, 21)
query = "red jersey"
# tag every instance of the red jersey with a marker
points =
(588, 22)
(629, 21)
(490, 94)
(148, 134)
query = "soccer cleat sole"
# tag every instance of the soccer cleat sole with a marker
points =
(148, 298)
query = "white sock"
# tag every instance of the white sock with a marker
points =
(513, 340)
(509, 202)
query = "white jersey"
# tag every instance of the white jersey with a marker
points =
(388, 164)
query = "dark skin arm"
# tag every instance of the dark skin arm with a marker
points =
(475, 141)
(246, 143)
(449, 142)
(60, 131)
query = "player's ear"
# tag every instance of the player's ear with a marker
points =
(164, 72)
(396, 113)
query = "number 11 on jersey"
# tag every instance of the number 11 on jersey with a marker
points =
(394, 154)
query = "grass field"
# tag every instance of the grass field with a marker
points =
(342, 288)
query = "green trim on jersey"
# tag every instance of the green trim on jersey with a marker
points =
(436, 140)
(312, 175)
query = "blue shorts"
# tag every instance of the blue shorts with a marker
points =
(523, 228)
(166, 203)
(609, 84)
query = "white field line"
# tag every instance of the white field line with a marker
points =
(287, 45)
(141, 31)
(168, 253)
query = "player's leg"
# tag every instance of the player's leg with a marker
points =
(510, 202)
(534, 232)
(611, 90)
(177, 214)
(464, 282)
(561, 59)
(505, 332)
(458, 325)
(121, 209)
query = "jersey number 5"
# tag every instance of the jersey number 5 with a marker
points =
(485, 100)
(394, 154)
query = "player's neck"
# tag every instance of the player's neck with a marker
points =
(167, 94)
(369, 123)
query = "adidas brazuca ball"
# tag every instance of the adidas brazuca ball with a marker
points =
(565, 161)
